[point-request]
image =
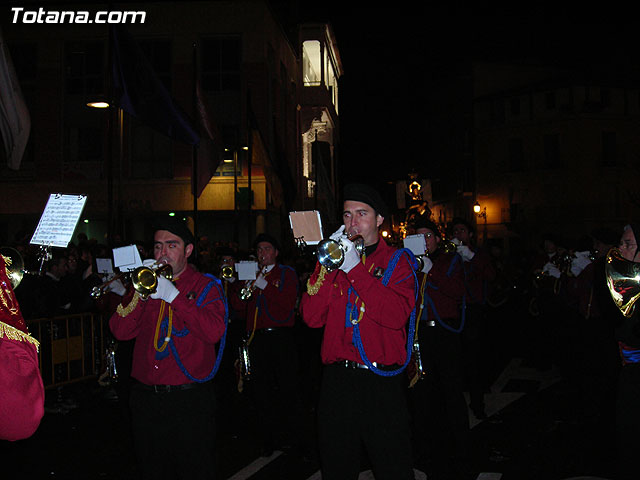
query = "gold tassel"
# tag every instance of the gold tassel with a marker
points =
(12, 333)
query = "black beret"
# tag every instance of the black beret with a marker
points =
(177, 227)
(359, 192)
(425, 222)
(461, 221)
(265, 237)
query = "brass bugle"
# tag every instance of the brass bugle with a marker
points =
(226, 272)
(623, 281)
(247, 290)
(145, 279)
(331, 253)
(99, 290)
(15, 266)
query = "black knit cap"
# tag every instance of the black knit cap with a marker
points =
(359, 192)
(265, 237)
(177, 227)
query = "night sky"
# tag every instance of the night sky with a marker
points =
(393, 55)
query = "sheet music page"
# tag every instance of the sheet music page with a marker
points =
(306, 225)
(59, 220)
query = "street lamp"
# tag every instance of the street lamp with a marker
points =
(482, 213)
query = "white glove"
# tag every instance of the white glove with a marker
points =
(427, 263)
(579, 263)
(165, 291)
(465, 252)
(551, 269)
(351, 257)
(338, 234)
(117, 287)
(261, 282)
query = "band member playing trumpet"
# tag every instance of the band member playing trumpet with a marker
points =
(627, 334)
(437, 402)
(176, 331)
(361, 401)
(478, 274)
(270, 317)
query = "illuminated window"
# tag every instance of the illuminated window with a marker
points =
(311, 66)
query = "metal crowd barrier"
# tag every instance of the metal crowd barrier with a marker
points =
(71, 347)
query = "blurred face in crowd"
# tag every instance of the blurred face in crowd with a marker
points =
(360, 218)
(550, 247)
(628, 245)
(170, 248)
(227, 260)
(59, 267)
(461, 232)
(431, 238)
(267, 254)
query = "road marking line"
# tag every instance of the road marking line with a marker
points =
(255, 466)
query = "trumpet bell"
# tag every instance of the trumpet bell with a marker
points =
(14, 265)
(623, 281)
(145, 279)
(226, 272)
(331, 253)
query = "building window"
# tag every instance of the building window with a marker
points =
(83, 127)
(609, 151)
(83, 68)
(311, 63)
(221, 62)
(516, 155)
(150, 151)
(551, 151)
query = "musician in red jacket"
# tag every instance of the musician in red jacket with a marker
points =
(364, 307)
(176, 330)
(270, 317)
(21, 389)
(478, 274)
(437, 401)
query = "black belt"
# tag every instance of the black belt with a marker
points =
(168, 388)
(355, 365)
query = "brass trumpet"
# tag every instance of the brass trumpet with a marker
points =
(144, 280)
(623, 281)
(331, 253)
(248, 289)
(226, 272)
(14, 265)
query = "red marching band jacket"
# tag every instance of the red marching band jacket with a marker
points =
(383, 311)
(21, 388)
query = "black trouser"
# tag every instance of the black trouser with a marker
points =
(628, 421)
(174, 432)
(473, 342)
(274, 386)
(438, 406)
(358, 407)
